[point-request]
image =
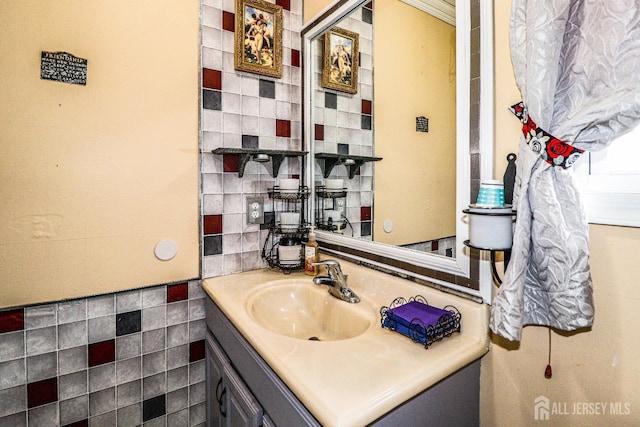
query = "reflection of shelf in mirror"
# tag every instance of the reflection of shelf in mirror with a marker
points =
(351, 162)
(301, 193)
(323, 192)
(245, 155)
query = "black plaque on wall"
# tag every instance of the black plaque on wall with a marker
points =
(63, 67)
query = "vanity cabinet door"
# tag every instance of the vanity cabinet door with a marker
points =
(242, 409)
(216, 360)
(229, 401)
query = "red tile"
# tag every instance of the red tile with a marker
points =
(283, 128)
(295, 176)
(319, 133)
(286, 4)
(42, 392)
(178, 292)
(228, 21)
(365, 213)
(12, 320)
(366, 106)
(434, 245)
(211, 79)
(212, 224)
(230, 163)
(102, 352)
(369, 5)
(196, 351)
(295, 58)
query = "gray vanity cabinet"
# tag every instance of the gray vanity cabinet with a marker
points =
(229, 401)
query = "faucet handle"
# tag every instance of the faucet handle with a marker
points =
(333, 269)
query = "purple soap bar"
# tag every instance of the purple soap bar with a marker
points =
(417, 310)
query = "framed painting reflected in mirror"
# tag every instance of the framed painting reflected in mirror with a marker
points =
(340, 60)
(258, 29)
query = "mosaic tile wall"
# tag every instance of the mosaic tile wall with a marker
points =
(343, 124)
(244, 110)
(123, 359)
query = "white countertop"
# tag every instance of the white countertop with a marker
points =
(354, 381)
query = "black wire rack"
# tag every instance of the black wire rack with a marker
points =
(419, 330)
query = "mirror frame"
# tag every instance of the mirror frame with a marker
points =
(469, 266)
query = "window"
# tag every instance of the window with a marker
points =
(609, 181)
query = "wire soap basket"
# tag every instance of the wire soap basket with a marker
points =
(418, 320)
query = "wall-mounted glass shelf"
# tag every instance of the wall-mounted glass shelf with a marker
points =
(351, 162)
(245, 155)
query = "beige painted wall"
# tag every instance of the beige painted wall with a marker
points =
(92, 177)
(414, 75)
(600, 365)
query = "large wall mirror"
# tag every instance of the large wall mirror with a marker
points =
(395, 143)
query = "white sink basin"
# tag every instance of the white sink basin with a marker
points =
(305, 311)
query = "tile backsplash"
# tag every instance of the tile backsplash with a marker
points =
(125, 359)
(244, 110)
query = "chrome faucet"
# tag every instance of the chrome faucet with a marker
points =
(336, 281)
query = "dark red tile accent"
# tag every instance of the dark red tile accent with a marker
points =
(283, 128)
(434, 245)
(230, 163)
(196, 351)
(319, 132)
(12, 320)
(286, 4)
(178, 292)
(369, 5)
(228, 21)
(359, 57)
(365, 213)
(42, 392)
(102, 352)
(295, 57)
(212, 224)
(81, 423)
(212, 79)
(295, 176)
(366, 106)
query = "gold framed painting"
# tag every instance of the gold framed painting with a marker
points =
(258, 31)
(340, 60)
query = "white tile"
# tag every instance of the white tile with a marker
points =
(231, 183)
(250, 105)
(283, 92)
(212, 204)
(211, 38)
(232, 203)
(250, 124)
(232, 140)
(268, 108)
(212, 58)
(212, 183)
(250, 86)
(211, 120)
(231, 83)
(212, 266)
(232, 123)
(211, 17)
(228, 41)
(267, 126)
(211, 140)
(231, 103)
(283, 110)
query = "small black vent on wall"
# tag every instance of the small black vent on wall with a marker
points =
(422, 124)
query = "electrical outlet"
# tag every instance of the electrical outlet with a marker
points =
(255, 210)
